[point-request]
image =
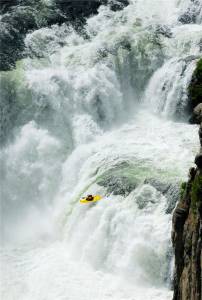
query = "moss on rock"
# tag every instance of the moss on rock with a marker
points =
(182, 189)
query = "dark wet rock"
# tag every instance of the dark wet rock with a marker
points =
(196, 117)
(195, 87)
(179, 216)
(192, 173)
(187, 243)
(200, 134)
(77, 11)
(198, 160)
(118, 4)
(85, 8)
(186, 240)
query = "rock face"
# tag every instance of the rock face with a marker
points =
(187, 216)
(187, 236)
(197, 115)
(195, 87)
(198, 160)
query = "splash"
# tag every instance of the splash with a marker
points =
(95, 112)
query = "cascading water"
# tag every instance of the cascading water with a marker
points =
(95, 113)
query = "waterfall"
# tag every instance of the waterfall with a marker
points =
(102, 110)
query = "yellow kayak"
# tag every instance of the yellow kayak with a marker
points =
(95, 199)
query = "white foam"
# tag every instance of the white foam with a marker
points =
(119, 248)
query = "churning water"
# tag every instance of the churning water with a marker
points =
(102, 113)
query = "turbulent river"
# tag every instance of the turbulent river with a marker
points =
(101, 112)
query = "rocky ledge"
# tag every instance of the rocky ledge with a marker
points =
(187, 218)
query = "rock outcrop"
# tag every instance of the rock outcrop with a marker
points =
(196, 117)
(195, 87)
(187, 234)
(186, 238)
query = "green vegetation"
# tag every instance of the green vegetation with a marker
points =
(182, 189)
(196, 193)
(195, 87)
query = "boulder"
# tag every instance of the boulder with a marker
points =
(85, 8)
(198, 160)
(192, 173)
(179, 216)
(196, 117)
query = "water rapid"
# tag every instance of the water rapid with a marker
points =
(101, 111)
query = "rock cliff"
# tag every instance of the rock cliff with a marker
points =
(187, 217)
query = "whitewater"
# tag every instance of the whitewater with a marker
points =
(103, 112)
